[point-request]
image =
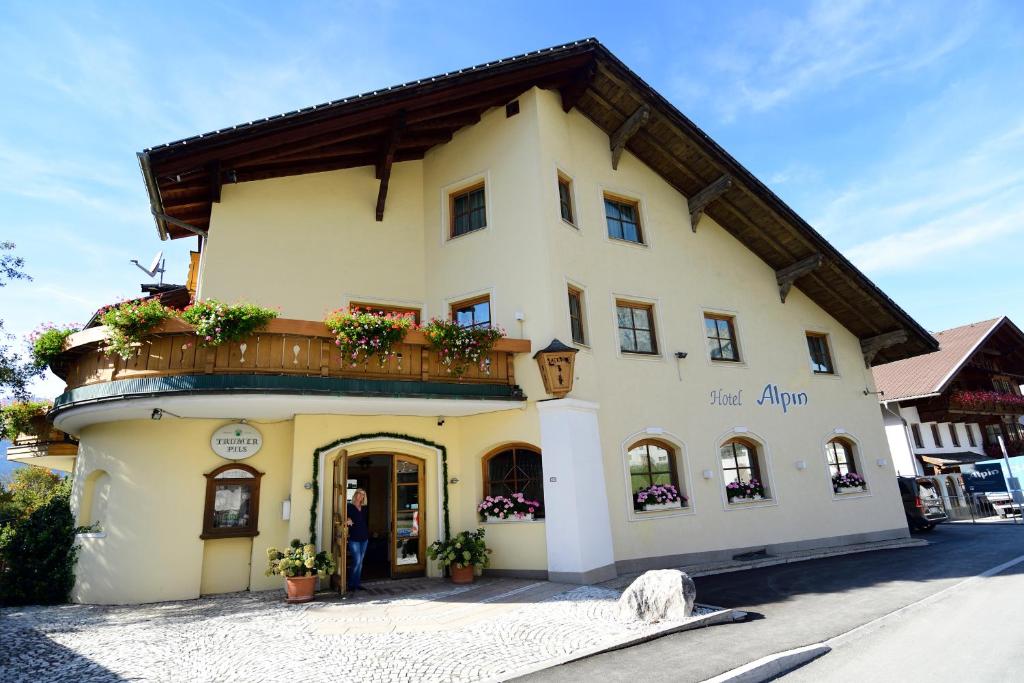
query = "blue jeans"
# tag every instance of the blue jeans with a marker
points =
(358, 551)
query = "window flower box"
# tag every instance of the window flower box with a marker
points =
(745, 491)
(850, 482)
(657, 507)
(519, 517)
(658, 497)
(512, 508)
(845, 490)
(739, 500)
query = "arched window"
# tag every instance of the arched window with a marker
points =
(232, 502)
(92, 505)
(652, 463)
(840, 457)
(740, 462)
(514, 469)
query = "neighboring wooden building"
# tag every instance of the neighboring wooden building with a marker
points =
(950, 407)
(716, 337)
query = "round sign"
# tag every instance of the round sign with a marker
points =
(236, 441)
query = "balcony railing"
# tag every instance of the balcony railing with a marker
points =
(285, 347)
(986, 403)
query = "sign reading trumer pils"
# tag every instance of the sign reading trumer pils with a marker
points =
(236, 441)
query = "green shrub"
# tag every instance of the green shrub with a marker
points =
(16, 418)
(465, 549)
(217, 323)
(47, 342)
(129, 321)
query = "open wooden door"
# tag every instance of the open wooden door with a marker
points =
(339, 530)
(408, 551)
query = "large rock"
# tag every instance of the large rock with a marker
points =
(658, 595)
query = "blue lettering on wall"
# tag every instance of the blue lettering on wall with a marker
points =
(784, 399)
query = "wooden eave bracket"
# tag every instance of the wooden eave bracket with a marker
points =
(785, 277)
(387, 159)
(872, 345)
(628, 129)
(698, 202)
(572, 92)
(216, 181)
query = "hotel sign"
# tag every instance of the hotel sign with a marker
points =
(236, 441)
(771, 395)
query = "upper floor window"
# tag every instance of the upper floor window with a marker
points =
(468, 211)
(515, 469)
(473, 312)
(382, 309)
(970, 435)
(232, 502)
(636, 327)
(576, 320)
(915, 429)
(565, 199)
(721, 336)
(936, 436)
(1003, 385)
(954, 437)
(623, 217)
(1015, 430)
(992, 434)
(653, 463)
(840, 458)
(821, 359)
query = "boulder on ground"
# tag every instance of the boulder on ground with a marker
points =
(658, 595)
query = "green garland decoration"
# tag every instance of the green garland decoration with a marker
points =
(378, 435)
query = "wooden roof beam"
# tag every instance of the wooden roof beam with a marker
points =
(637, 120)
(385, 162)
(213, 169)
(872, 345)
(572, 92)
(698, 202)
(785, 277)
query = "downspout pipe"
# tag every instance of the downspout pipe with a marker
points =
(156, 205)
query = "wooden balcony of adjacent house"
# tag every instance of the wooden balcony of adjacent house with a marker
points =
(47, 447)
(289, 357)
(958, 406)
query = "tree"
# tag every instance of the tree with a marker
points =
(29, 489)
(15, 373)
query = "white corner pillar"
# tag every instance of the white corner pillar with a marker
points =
(579, 534)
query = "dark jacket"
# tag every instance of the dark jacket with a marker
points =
(360, 529)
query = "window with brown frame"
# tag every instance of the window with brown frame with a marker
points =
(636, 328)
(821, 359)
(740, 461)
(576, 318)
(953, 435)
(915, 429)
(840, 457)
(970, 435)
(721, 335)
(515, 469)
(623, 218)
(652, 462)
(468, 210)
(472, 313)
(232, 502)
(565, 199)
(385, 309)
(936, 436)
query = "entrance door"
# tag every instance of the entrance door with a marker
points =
(339, 533)
(408, 552)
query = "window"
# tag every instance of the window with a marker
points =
(623, 217)
(918, 439)
(576, 321)
(739, 461)
(1003, 385)
(821, 359)
(232, 502)
(383, 309)
(992, 434)
(565, 199)
(467, 210)
(840, 457)
(721, 335)
(1015, 430)
(652, 462)
(953, 436)
(936, 437)
(515, 469)
(636, 327)
(473, 313)
(92, 506)
(970, 435)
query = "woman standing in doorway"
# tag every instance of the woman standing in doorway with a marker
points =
(358, 537)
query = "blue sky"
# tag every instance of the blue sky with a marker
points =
(895, 128)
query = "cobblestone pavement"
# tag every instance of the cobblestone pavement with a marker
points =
(438, 632)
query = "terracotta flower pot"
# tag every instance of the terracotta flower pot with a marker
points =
(462, 574)
(300, 588)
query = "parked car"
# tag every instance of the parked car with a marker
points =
(922, 503)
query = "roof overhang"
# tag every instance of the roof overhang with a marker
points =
(953, 459)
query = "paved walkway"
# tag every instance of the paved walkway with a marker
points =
(420, 630)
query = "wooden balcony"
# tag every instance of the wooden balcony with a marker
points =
(286, 348)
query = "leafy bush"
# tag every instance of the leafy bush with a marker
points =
(38, 554)
(129, 321)
(47, 342)
(217, 323)
(17, 418)
(465, 549)
(363, 333)
(298, 560)
(460, 347)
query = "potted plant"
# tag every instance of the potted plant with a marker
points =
(47, 342)
(217, 323)
(461, 553)
(848, 483)
(460, 347)
(300, 565)
(745, 490)
(128, 321)
(515, 507)
(658, 497)
(362, 333)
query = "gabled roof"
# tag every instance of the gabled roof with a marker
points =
(402, 122)
(930, 374)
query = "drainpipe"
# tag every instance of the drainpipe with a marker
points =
(906, 435)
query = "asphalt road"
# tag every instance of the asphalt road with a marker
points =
(809, 602)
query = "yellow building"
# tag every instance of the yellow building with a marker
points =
(716, 336)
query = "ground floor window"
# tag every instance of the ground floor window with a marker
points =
(842, 466)
(232, 502)
(654, 475)
(515, 469)
(741, 470)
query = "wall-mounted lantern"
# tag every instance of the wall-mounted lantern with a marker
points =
(556, 367)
